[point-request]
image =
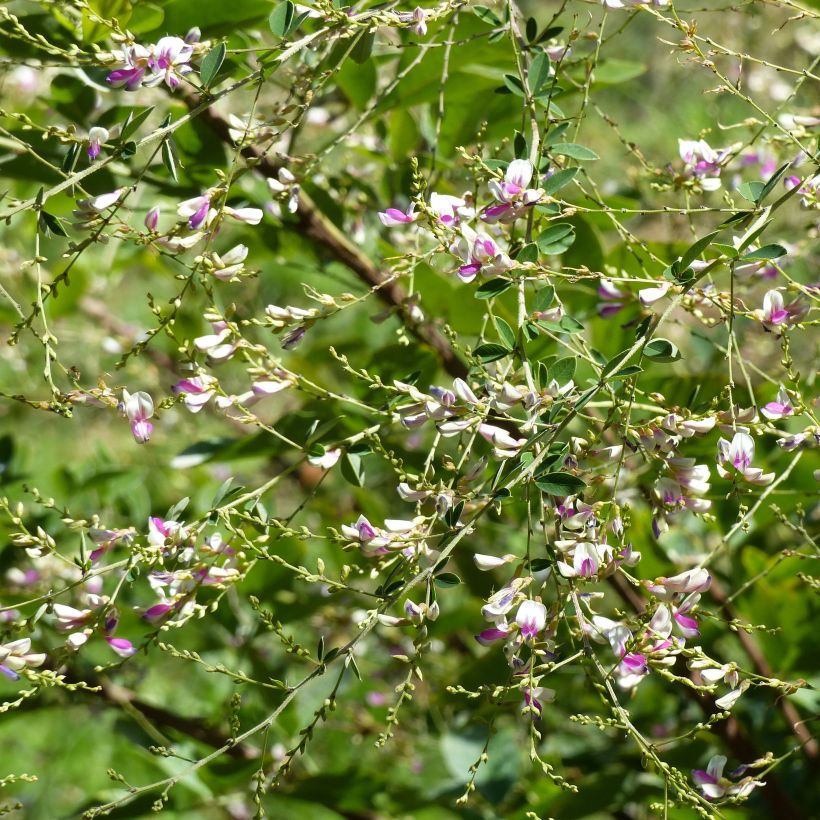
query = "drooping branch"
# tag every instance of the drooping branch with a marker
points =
(312, 223)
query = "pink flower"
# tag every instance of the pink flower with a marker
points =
(122, 646)
(197, 391)
(649, 296)
(16, 656)
(714, 785)
(449, 209)
(512, 192)
(516, 179)
(137, 61)
(738, 455)
(779, 408)
(702, 162)
(480, 253)
(138, 408)
(612, 298)
(169, 62)
(250, 216)
(393, 217)
(773, 311)
(152, 219)
(531, 618)
(419, 24)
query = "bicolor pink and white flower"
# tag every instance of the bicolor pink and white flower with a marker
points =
(780, 408)
(138, 409)
(167, 61)
(250, 216)
(136, 63)
(774, 313)
(513, 194)
(735, 458)
(170, 61)
(613, 299)
(196, 211)
(393, 217)
(122, 646)
(480, 254)
(531, 618)
(714, 785)
(196, 391)
(152, 219)
(702, 162)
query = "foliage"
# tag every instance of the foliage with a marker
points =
(408, 412)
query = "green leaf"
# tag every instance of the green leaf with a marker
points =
(559, 179)
(147, 17)
(495, 287)
(544, 298)
(529, 253)
(134, 121)
(361, 51)
(170, 159)
(614, 362)
(572, 149)
(613, 71)
(505, 332)
(539, 72)
(281, 18)
(513, 84)
(50, 225)
(561, 484)
(766, 252)
(70, 158)
(353, 469)
(447, 579)
(490, 352)
(486, 15)
(772, 181)
(556, 239)
(221, 492)
(546, 34)
(554, 136)
(211, 64)
(661, 350)
(696, 249)
(751, 191)
(626, 372)
(570, 325)
(562, 371)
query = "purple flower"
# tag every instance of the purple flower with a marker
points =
(122, 646)
(96, 136)
(195, 210)
(152, 219)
